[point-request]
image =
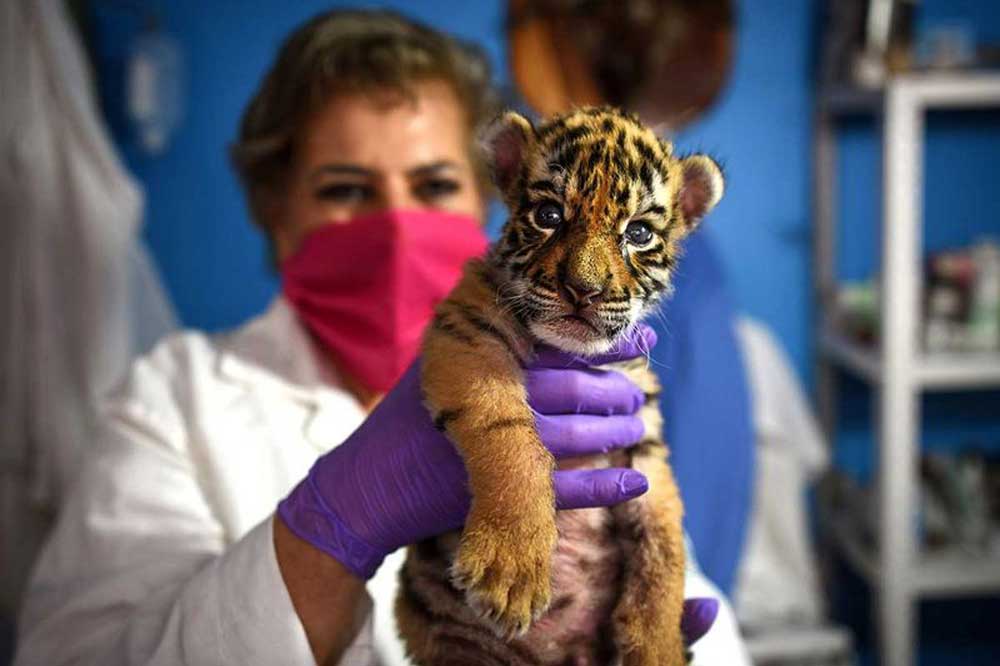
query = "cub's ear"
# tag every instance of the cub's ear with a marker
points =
(506, 142)
(702, 186)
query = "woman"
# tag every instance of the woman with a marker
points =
(356, 154)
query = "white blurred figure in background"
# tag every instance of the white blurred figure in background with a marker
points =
(78, 294)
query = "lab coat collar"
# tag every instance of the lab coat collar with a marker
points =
(275, 349)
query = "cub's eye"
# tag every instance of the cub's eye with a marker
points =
(548, 215)
(638, 233)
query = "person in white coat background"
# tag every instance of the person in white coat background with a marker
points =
(251, 493)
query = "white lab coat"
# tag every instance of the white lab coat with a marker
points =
(163, 552)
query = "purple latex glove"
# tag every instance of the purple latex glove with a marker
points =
(397, 480)
(698, 617)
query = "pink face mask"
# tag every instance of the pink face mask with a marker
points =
(367, 288)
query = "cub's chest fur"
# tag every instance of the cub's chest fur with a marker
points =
(598, 206)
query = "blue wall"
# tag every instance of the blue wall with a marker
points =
(760, 128)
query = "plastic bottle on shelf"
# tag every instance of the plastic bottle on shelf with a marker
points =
(155, 88)
(984, 320)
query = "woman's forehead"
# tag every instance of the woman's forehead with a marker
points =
(387, 131)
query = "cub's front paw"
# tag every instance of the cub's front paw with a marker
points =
(504, 572)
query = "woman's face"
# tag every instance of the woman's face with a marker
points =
(363, 153)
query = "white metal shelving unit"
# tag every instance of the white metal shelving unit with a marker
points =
(898, 371)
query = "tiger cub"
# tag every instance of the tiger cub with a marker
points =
(598, 205)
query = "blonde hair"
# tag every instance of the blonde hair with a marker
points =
(349, 51)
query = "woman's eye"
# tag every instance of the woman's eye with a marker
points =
(344, 193)
(433, 189)
(638, 233)
(548, 215)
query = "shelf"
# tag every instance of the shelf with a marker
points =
(951, 371)
(951, 90)
(899, 369)
(945, 573)
(805, 644)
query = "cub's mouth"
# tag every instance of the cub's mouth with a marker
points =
(579, 332)
(582, 328)
(577, 319)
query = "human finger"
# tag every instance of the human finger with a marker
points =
(581, 391)
(580, 489)
(570, 435)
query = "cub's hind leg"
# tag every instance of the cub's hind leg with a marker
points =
(647, 619)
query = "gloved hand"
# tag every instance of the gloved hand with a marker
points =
(397, 480)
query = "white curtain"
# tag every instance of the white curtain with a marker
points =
(78, 294)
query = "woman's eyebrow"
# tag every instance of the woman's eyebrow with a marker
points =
(432, 168)
(341, 170)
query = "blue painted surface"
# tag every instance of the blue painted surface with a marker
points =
(760, 129)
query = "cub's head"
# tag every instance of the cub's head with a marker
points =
(598, 205)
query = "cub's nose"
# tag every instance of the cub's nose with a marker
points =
(582, 293)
